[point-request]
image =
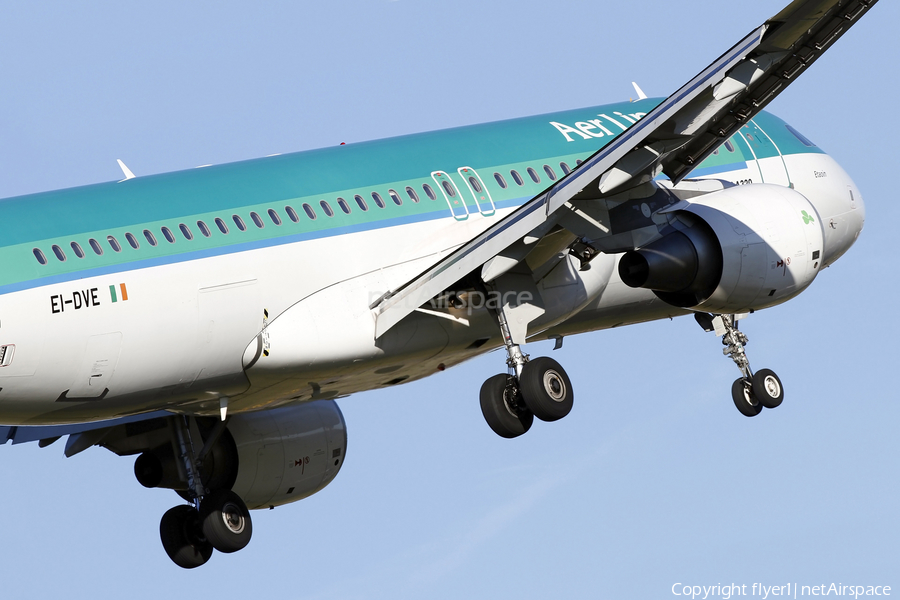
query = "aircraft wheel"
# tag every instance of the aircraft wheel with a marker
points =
(767, 388)
(226, 521)
(744, 399)
(546, 389)
(182, 537)
(501, 410)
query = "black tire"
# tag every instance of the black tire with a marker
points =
(226, 521)
(767, 388)
(744, 399)
(546, 389)
(501, 408)
(182, 537)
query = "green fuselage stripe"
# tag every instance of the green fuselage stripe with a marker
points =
(169, 200)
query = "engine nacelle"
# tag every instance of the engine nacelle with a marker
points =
(287, 454)
(740, 249)
(268, 458)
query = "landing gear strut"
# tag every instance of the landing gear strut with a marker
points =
(752, 391)
(217, 519)
(532, 388)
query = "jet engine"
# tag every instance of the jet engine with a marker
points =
(739, 249)
(268, 458)
(287, 454)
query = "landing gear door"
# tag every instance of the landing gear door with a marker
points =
(478, 190)
(455, 201)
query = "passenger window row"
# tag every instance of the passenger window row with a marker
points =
(535, 177)
(292, 214)
(238, 221)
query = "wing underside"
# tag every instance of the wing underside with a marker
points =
(672, 139)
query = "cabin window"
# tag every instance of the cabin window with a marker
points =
(729, 146)
(239, 222)
(151, 239)
(516, 177)
(549, 171)
(132, 241)
(203, 228)
(565, 168)
(96, 246)
(292, 214)
(428, 191)
(221, 225)
(500, 181)
(167, 233)
(40, 256)
(113, 243)
(534, 176)
(377, 198)
(362, 203)
(326, 208)
(186, 232)
(274, 216)
(578, 161)
(77, 250)
(344, 206)
(309, 211)
(59, 253)
(395, 197)
(475, 185)
(257, 220)
(412, 194)
(448, 188)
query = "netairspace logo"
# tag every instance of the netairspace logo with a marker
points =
(790, 590)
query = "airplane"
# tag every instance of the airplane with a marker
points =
(205, 321)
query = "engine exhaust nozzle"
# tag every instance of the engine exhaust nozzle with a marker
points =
(670, 264)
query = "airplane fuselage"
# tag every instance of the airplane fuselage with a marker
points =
(160, 292)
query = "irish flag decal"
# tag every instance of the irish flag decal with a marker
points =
(112, 293)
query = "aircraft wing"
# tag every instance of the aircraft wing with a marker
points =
(81, 435)
(672, 139)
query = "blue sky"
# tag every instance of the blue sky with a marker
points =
(654, 478)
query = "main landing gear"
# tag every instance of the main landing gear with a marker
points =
(532, 388)
(215, 520)
(752, 391)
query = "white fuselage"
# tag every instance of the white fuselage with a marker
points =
(182, 338)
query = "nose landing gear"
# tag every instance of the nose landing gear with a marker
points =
(752, 391)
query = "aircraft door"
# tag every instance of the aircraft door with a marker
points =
(478, 190)
(768, 156)
(455, 200)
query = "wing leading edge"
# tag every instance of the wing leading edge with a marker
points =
(672, 139)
